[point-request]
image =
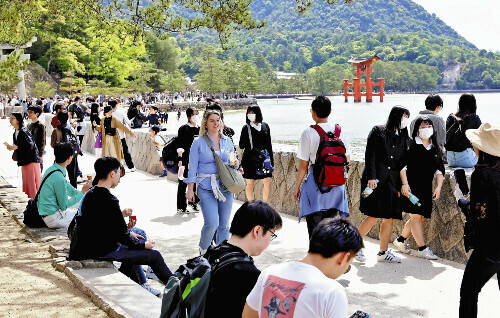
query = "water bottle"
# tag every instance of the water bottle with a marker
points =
(367, 191)
(413, 199)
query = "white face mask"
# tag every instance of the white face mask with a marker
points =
(425, 133)
(195, 118)
(404, 122)
(251, 117)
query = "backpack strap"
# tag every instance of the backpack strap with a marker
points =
(43, 181)
(338, 129)
(250, 136)
(319, 130)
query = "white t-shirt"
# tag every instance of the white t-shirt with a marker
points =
(122, 117)
(161, 141)
(309, 142)
(297, 290)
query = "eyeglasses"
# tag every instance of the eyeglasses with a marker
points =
(273, 235)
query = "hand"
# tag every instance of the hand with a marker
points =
(372, 184)
(136, 236)
(236, 163)
(296, 194)
(149, 245)
(190, 195)
(86, 186)
(240, 170)
(12, 147)
(133, 136)
(127, 212)
(405, 189)
(437, 193)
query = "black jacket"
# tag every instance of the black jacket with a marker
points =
(37, 130)
(101, 226)
(485, 188)
(27, 152)
(230, 285)
(185, 136)
(455, 131)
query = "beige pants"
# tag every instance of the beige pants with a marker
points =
(109, 147)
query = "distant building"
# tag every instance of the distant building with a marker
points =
(285, 75)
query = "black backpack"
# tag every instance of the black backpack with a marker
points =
(455, 135)
(170, 156)
(186, 290)
(31, 216)
(68, 136)
(78, 111)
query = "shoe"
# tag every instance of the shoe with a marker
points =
(151, 275)
(402, 247)
(152, 290)
(388, 257)
(360, 257)
(182, 211)
(163, 175)
(194, 206)
(133, 169)
(202, 251)
(427, 254)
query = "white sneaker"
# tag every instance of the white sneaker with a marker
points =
(152, 290)
(360, 257)
(202, 251)
(133, 169)
(388, 257)
(181, 211)
(402, 247)
(427, 254)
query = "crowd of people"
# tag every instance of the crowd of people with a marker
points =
(402, 159)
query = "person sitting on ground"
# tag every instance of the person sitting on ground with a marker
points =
(252, 229)
(433, 105)
(58, 199)
(333, 245)
(101, 213)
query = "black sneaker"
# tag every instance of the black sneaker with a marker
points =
(194, 206)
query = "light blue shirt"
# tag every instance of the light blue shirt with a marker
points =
(201, 160)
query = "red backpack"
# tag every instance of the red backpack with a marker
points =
(330, 168)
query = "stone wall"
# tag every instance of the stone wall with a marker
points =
(443, 232)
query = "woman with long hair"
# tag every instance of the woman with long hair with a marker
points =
(484, 261)
(95, 111)
(423, 163)
(386, 150)
(255, 139)
(26, 155)
(459, 150)
(215, 200)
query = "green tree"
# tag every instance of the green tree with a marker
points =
(9, 69)
(43, 89)
(211, 68)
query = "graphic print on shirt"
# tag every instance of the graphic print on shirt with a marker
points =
(280, 297)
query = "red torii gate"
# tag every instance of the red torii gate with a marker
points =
(364, 66)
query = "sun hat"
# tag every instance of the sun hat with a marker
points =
(486, 138)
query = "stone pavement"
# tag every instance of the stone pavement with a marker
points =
(414, 288)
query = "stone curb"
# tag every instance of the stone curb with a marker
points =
(14, 201)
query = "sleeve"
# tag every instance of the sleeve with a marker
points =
(303, 150)
(336, 304)
(254, 299)
(42, 143)
(61, 191)
(448, 122)
(53, 138)
(121, 126)
(370, 154)
(477, 122)
(345, 139)
(73, 193)
(119, 228)
(193, 161)
(244, 142)
(441, 132)
(181, 136)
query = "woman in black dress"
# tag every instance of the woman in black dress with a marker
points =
(253, 167)
(385, 156)
(424, 162)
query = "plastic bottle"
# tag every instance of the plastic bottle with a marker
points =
(367, 191)
(413, 199)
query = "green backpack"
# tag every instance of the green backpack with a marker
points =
(185, 293)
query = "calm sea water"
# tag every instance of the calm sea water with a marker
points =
(287, 118)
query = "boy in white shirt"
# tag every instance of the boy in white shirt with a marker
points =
(307, 289)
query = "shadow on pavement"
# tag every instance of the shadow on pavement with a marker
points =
(175, 219)
(378, 305)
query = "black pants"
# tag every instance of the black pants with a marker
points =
(126, 154)
(181, 195)
(80, 137)
(72, 169)
(315, 218)
(477, 273)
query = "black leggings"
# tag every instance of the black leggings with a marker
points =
(477, 273)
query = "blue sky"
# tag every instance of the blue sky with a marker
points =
(478, 20)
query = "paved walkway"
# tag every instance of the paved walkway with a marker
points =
(414, 288)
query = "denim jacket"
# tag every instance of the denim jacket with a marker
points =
(201, 160)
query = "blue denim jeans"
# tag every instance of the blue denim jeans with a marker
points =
(463, 159)
(132, 259)
(216, 215)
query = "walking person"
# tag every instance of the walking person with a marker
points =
(95, 111)
(484, 261)
(459, 150)
(385, 155)
(425, 160)
(186, 135)
(215, 200)
(111, 143)
(26, 155)
(255, 139)
(122, 117)
(37, 130)
(316, 202)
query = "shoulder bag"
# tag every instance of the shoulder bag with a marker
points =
(231, 178)
(31, 216)
(260, 158)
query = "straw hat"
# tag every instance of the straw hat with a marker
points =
(486, 138)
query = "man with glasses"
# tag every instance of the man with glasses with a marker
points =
(252, 229)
